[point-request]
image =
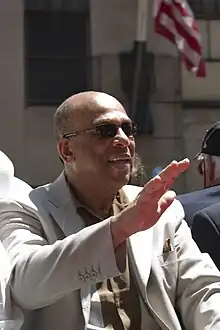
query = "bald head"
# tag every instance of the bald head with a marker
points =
(79, 106)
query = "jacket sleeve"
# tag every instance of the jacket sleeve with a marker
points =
(206, 235)
(42, 273)
(198, 284)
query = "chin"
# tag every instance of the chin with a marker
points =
(120, 181)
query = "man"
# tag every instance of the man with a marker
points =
(90, 252)
(209, 169)
(202, 212)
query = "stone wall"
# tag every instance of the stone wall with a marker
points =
(26, 133)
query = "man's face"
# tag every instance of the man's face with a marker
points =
(104, 160)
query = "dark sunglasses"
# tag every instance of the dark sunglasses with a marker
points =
(107, 130)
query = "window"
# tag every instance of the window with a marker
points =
(206, 9)
(56, 50)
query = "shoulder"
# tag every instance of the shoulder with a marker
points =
(191, 196)
(198, 194)
(23, 199)
(212, 211)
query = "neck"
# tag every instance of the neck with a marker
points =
(97, 198)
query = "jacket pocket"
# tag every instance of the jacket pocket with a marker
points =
(167, 258)
(168, 273)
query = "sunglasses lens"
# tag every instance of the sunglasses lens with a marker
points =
(107, 130)
(129, 128)
(110, 130)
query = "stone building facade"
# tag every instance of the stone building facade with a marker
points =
(182, 107)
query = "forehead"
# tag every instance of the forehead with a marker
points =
(100, 114)
(113, 116)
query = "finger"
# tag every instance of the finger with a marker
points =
(165, 201)
(183, 165)
(175, 166)
(152, 185)
(153, 194)
(174, 169)
(157, 208)
(164, 180)
(156, 187)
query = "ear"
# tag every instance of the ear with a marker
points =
(209, 174)
(65, 150)
(200, 167)
(211, 169)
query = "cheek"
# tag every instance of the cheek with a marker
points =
(89, 155)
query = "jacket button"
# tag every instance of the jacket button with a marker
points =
(87, 277)
(93, 274)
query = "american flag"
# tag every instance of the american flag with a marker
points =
(174, 20)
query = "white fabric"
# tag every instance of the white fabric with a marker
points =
(14, 321)
(6, 174)
(11, 317)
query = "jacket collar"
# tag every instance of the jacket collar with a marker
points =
(59, 193)
(61, 206)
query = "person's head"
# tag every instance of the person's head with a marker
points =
(95, 140)
(209, 157)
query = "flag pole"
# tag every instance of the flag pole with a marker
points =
(139, 47)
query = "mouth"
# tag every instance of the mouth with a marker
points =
(121, 162)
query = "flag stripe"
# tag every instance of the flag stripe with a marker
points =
(183, 13)
(182, 28)
(175, 38)
(168, 33)
(175, 21)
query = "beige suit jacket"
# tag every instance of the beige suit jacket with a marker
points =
(56, 260)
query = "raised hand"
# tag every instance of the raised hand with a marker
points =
(151, 202)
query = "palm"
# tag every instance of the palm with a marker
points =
(155, 198)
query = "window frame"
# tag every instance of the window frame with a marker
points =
(35, 101)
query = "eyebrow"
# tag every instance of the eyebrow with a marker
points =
(112, 121)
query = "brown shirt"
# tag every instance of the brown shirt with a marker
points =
(119, 299)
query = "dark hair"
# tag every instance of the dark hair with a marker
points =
(138, 174)
(62, 120)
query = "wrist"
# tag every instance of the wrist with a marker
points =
(119, 229)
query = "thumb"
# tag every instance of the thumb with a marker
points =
(165, 201)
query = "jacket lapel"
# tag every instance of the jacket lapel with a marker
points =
(140, 253)
(66, 217)
(140, 246)
(146, 270)
(61, 207)
(158, 300)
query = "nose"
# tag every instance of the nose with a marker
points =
(121, 139)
